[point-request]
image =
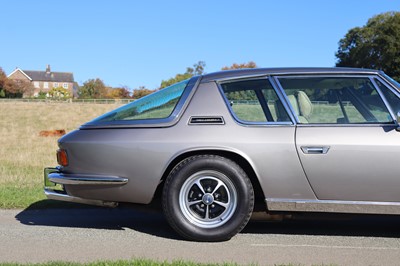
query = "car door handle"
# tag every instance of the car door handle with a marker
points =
(314, 150)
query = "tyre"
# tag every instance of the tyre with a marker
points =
(207, 198)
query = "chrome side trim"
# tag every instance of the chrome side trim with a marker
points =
(362, 207)
(68, 179)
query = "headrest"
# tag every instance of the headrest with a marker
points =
(305, 105)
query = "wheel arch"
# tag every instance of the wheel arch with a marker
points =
(234, 156)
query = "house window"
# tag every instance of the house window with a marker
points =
(65, 85)
(36, 84)
(45, 85)
(55, 84)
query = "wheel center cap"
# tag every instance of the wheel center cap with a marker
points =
(208, 199)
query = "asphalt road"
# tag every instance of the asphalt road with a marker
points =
(85, 235)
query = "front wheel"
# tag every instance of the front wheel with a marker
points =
(208, 198)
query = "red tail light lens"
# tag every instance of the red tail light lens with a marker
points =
(62, 157)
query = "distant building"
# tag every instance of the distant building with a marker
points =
(44, 81)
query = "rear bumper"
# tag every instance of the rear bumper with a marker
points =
(54, 181)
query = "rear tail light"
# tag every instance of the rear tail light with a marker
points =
(62, 157)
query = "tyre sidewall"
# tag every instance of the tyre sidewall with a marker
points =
(245, 198)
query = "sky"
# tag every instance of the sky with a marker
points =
(137, 43)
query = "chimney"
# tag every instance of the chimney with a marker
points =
(48, 69)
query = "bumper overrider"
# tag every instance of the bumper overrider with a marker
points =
(54, 181)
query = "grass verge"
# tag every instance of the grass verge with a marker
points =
(24, 154)
(138, 262)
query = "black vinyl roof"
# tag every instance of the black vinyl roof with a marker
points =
(253, 72)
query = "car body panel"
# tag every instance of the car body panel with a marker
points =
(355, 168)
(355, 173)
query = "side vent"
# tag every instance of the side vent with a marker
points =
(206, 120)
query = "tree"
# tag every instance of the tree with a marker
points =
(197, 69)
(59, 93)
(14, 88)
(118, 93)
(375, 45)
(141, 92)
(250, 64)
(93, 89)
(3, 79)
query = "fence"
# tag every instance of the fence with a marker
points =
(82, 101)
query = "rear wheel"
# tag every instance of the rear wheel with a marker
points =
(208, 198)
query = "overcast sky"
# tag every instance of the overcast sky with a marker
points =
(139, 43)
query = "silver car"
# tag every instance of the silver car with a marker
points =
(211, 147)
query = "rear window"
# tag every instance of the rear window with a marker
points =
(158, 105)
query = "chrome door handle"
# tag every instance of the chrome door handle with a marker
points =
(314, 150)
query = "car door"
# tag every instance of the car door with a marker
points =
(346, 137)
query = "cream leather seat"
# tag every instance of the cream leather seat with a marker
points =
(302, 106)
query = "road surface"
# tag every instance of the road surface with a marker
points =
(85, 235)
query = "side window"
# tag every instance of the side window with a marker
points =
(254, 101)
(335, 100)
(392, 98)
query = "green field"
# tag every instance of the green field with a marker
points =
(24, 154)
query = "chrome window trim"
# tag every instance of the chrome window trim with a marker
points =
(387, 80)
(285, 101)
(370, 76)
(162, 122)
(347, 125)
(251, 123)
(388, 84)
(385, 102)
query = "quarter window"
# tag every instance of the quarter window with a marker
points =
(335, 100)
(254, 101)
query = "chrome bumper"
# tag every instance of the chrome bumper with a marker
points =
(54, 182)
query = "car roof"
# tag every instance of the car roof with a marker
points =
(254, 72)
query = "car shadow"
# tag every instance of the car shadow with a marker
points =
(73, 215)
(151, 221)
(330, 225)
